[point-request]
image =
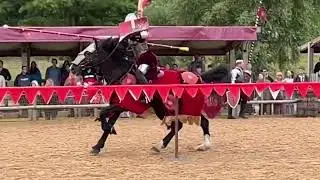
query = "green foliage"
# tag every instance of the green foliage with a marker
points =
(290, 23)
(64, 12)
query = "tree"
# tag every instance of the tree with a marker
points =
(65, 12)
(291, 22)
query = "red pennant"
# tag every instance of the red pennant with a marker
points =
(234, 90)
(3, 92)
(316, 89)
(31, 94)
(178, 91)
(62, 94)
(16, 94)
(135, 92)
(275, 87)
(248, 90)
(107, 93)
(163, 92)
(220, 89)
(303, 89)
(77, 93)
(289, 89)
(149, 92)
(192, 91)
(121, 92)
(206, 91)
(46, 93)
(260, 87)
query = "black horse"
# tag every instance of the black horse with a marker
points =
(115, 61)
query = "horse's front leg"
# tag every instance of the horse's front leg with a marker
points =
(166, 140)
(206, 135)
(107, 127)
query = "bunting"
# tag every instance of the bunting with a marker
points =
(148, 91)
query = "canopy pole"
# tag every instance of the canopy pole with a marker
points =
(176, 129)
(310, 60)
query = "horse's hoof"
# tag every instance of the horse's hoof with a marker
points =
(94, 152)
(155, 149)
(203, 147)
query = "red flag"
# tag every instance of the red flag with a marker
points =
(141, 5)
(262, 13)
(145, 3)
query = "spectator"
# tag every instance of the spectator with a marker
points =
(167, 67)
(198, 70)
(196, 63)
(35, 74)
(289, 108)
(72, 80)
(267, 78)
(279, 77)
(247, 76)
(289, 77)
(23, 79)
(237, 76)
(2, 81)
(2, 84)
(54, 73)
(278, 108)
(65, 69)
(39, 100)
(302, 76)
(90, 77)
(175, 67)
(52, 113)
(4, 72)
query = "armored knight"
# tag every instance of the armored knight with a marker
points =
(146, 61)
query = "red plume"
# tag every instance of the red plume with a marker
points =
(146, 3)
(262, 13)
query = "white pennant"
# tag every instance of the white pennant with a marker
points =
(274, 94)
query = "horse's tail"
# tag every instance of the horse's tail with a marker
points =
(220, 74)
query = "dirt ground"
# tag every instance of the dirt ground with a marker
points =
(271, 148)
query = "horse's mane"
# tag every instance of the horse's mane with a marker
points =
(220, 74)
(118, 63)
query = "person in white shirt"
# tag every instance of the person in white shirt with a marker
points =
(237, 76)
(289, 77)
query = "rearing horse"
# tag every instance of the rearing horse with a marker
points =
(117, 61)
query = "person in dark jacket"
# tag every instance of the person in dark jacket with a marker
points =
(65, 70)
(54, 73)
(23, 79)
(35, 74)
(4, 72)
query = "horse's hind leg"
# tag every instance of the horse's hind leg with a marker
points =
(206, 135)
(166, 140)
(107, 129)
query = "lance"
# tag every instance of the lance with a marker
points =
(85, 36)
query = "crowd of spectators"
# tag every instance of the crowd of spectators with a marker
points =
(56, 75)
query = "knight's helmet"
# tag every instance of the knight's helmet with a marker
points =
(134, 31)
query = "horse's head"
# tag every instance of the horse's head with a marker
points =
(112, 56)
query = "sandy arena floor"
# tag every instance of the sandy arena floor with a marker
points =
(243, 149)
